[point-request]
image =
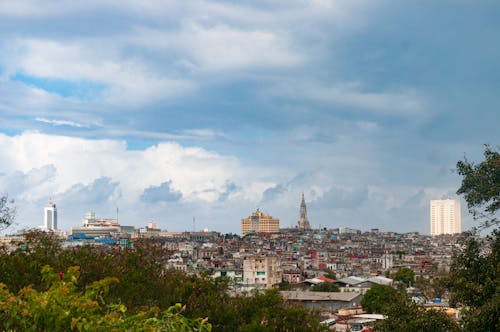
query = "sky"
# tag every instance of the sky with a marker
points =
(196, 113)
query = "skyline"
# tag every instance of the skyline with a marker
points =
(211, 109)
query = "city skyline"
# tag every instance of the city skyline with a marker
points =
(212, 109)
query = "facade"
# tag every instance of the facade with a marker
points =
(262, 271)
(50, 217)
(445, 217)
(303, 221)
(260, 222)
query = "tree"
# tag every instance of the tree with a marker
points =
(325, 287)
(330, 274)
(481, 187)
(405, 275)
(7, 212)
(378, 298)
(61, 306)
(475, 282)
(404, 315)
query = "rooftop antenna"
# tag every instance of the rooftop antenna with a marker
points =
(117, 214)
(194, 224)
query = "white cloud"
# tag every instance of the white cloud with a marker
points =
(197, 174)
(56, 122)
(125, 80)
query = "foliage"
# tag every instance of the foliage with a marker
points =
(404, 315)
(433, 286)
(62, 307)
(145, 284)
(325, 287)
(378, 298)
(481, 186)
(475, 282)
(7, 212)
(330, 274)
(405, 275)
(267, 311)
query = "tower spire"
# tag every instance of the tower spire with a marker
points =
(303, 221)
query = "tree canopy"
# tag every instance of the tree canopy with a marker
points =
(474, 282)
(7, 212)
(405, 275)
(325, 287)
(137, 279)
(481, 187)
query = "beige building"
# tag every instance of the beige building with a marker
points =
(445, 216)
(262, 271)
(260, 223)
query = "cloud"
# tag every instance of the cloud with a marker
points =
(404, 101)
(342, 198)
(161, 193)
(122, 80)
(31, 185)
(61, 122)
(99, 192)
(231, 189)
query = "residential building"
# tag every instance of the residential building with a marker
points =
(262, 271)
(260, 222)
(50, 217)
(445, 217)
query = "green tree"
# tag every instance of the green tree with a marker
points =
(325, 287)
(481, 187)
(63, 307)
(475, 282)
(7, 212)
(378, 298)
(405, 275)
(146, 287)
(330, 274)
(404, 315)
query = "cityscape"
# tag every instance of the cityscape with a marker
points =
(221, 165)
(267, 256)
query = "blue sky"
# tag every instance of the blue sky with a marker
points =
(171, 110)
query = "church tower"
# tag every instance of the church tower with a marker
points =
(303, 222)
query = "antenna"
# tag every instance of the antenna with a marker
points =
(194, 224)
(117, 214)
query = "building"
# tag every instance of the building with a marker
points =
(323, 301)
(303, 221)
(93, 227)
(445, 217)
(50, 217)
(260, 223)
(262, 271)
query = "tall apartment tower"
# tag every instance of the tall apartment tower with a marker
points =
(50, 217)
(445, 216)
(303, 221)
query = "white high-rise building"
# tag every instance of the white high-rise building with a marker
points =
(445, 216)
(50, 217)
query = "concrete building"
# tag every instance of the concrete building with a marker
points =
(323, 301)
(262, 271)
(93, 227)
(445, 217)
(260, 222)
(50, 217)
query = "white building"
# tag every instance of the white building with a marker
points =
(445, 217)
(50, 217)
